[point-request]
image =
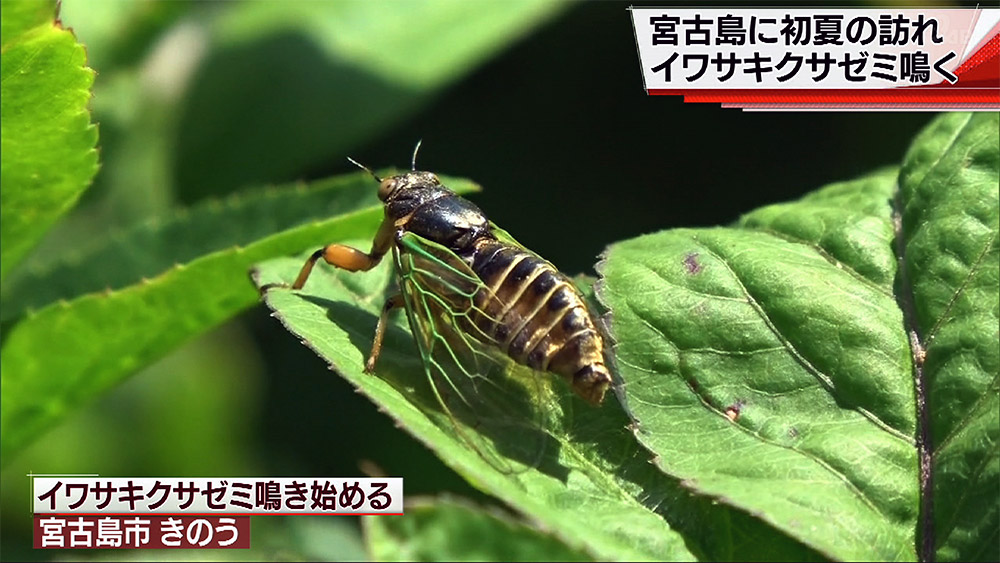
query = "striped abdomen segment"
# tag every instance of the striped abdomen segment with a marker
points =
(537, 317)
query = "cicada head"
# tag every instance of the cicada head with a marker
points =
(415, 183)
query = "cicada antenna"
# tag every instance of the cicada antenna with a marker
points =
(365, 168)
(413, 161)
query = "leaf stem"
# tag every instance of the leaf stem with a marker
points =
(925, 549)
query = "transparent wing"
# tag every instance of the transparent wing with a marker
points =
(495, 406)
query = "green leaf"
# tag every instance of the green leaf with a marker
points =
(355, 67)
(949, 216)
(712, 320)
(451, 530)
(421, 44)
(335, 315)
(845, 222)
(18, 17)
(594, 487)
(47, 139)
(321, 538)
(770, 365)
(68, 352)
(126, 256)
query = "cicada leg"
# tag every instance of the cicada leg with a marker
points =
(344, 257)
(394, 302)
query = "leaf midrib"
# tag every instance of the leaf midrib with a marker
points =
(926, 450)
(707, 404)
(829, 257)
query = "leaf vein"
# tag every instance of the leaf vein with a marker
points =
(824, 379)
(969, 415)
(973, 270)
(822, 463)
(829, 257)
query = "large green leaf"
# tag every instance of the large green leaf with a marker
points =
(948, 196)
(450, 530)
(335, 315)
(717, 321)
(68, 352)
(124, 256)
(770, 365)
(593, 487)
(20, 17)
(355, 67)
(46, 136)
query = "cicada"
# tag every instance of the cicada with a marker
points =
(474, 297)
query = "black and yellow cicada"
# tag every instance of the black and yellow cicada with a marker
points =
(472, 294)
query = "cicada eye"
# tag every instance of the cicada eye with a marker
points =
(385, 188)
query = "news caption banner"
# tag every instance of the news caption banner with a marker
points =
(769, 59)
(191, 513)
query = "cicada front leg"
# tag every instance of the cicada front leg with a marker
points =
(354, 260)
(344, 257)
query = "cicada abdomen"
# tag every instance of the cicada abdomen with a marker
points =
(536, 315)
